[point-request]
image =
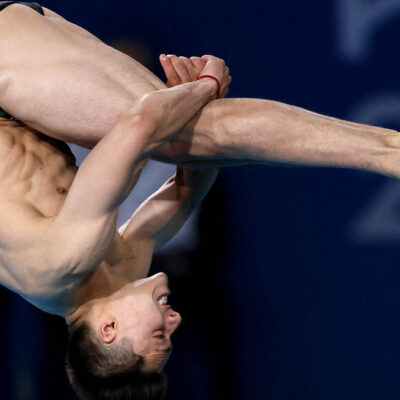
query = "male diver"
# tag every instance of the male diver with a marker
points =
(59, 247)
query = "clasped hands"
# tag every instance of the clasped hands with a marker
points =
(179, 70)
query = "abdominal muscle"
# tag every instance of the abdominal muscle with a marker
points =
(33, 170)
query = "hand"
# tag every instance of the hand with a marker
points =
(179, 70)
(216, 67)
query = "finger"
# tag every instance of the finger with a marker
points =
(197, 63)
(190, 69)
(170, 73)
(180, 68)
(206, 57)
(209, 57)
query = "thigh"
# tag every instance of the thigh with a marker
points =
(62, 80)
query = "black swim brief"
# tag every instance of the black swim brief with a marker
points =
(35, 6)
(6, 115)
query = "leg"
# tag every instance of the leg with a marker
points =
(63, 81)
(253, 131)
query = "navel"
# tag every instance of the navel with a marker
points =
(61, 190)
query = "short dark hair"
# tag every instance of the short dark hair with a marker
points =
(109, 372)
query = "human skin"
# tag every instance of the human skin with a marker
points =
(62, 81)
(31, 171)
(66, 83)
(58, 222)
(59, 248)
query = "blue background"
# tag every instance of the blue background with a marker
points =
(292, 292)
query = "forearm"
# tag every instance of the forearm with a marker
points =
(111, 169)
(85, 226)
(161, 216)
(237, 131)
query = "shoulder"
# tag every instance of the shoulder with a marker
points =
(30, 262)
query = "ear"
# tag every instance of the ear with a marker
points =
(108, 331)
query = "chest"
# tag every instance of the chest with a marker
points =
(35, 170)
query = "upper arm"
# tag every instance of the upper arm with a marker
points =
(38, 251)
(75, 241)
(161, 216)
(84, 229)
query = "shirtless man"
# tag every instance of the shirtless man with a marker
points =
(62, 81)
(59, 248)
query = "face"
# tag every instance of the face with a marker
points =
(140, 313)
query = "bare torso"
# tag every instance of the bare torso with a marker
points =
(34, 168)
(36, 173)
(63, 81)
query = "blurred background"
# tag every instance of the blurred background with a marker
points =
(287, 278)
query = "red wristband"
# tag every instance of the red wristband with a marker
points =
(215, 79)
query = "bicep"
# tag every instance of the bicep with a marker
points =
(160, 216)
(34, 247)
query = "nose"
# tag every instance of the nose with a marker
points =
(162, 276)
(173, 319)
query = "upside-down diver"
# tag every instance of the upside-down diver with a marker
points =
(59, 246)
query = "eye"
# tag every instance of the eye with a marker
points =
(160, 336)
(163, 300)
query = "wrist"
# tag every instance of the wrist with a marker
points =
(212, 80)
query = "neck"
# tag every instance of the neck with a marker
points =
(105, 280)
(95, 287)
